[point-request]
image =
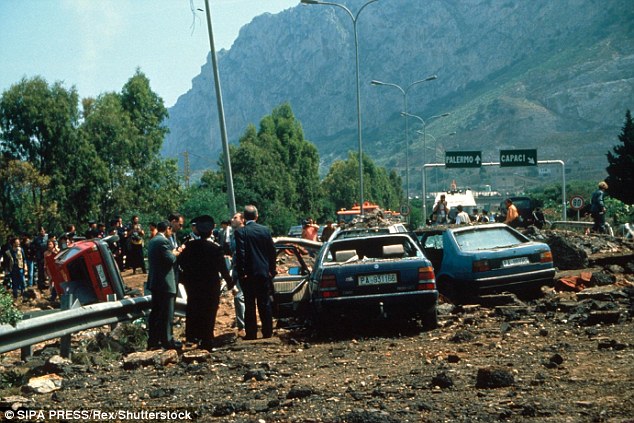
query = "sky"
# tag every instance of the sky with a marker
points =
(96, 45)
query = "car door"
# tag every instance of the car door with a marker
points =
(290, 285)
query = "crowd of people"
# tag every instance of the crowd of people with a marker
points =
(241, 252)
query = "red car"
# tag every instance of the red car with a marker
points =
(87, 270)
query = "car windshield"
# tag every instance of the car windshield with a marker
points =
(375, 247)
(487, 238)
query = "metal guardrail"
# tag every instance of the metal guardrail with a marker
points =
(66, 322)
(578, 225)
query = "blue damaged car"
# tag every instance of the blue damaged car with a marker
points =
(484, 259)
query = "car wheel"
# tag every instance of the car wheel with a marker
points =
(430, 318)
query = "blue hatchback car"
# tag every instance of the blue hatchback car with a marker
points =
(480, 259)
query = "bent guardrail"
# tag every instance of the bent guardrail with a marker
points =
(578, 225)
(66, 322)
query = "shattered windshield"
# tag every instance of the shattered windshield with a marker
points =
(486, 239)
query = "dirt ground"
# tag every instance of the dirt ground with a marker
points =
(564, 357)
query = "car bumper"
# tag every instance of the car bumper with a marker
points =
(401, 303)
(512, 283)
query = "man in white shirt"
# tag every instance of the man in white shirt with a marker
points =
(462, 217)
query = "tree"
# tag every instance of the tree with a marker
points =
(621, 164)
(341, 184)
(276, 169)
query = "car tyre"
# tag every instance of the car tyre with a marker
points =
(430, 318)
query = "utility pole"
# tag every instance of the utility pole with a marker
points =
(186, 169)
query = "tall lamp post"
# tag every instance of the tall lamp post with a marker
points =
(424, 152)
(404, 91)
(356, 53)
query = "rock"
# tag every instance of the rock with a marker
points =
(44, 384)
(615, 269)
(566, 254)
(228, 408)
(199, 356)
(603, 316)
(257, 374)
(14, 402)
(463, 336)
(57, 364)
(557, 359)
(299, 392)
(146, 358)
(612, 344)
(602, 279)
(494, 377)
(453, 358)
(367, 416)
(442, 380)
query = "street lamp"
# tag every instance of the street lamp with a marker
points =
(404, 91)
(424, 152)
(356, 53)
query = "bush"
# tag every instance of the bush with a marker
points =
(8, 313)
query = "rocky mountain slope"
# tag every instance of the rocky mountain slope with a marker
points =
(556, 76)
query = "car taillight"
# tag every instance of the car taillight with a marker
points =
(481, 266)
(546, 257)
(426, 278)
(328, 286)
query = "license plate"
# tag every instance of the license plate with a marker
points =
(515, 262)
(102, 276)
(377, 279)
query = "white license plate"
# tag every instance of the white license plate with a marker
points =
(377, 279)
(515, 262)
(102, 275)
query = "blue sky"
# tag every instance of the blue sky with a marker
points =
(96, 45)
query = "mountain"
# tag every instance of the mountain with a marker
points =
(556, 76)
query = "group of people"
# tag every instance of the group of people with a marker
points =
(442, 214)
(242, 253)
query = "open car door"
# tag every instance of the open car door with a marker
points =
(290, 285)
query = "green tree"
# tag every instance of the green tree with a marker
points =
(621, 164)
(341, 184)
(276, 169)
(127, 131)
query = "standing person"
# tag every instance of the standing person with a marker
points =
(153, 230)
(255, 263)
(328, 231)
(484, 217)
(162, 283)
(237, 222)
(224, 236)
(512, 215)
(598, 209)
(135, 246)
(16, 265)
(462, 217)
(176, 222)
(30, 255)
(202, 262)
(40, 242)
(441, 210)
(310, 230)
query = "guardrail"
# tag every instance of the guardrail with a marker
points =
(577, 225)
(66, 322)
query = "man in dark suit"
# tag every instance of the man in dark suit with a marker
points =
(255, 264)
(162, 284)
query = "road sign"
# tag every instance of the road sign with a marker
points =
(576, 202)
(510, 158)
(405, 210)
(463, 159)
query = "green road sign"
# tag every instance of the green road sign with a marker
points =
(510, 158)
(463, 159)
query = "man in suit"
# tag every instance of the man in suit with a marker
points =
(255, 264)
(162, 283)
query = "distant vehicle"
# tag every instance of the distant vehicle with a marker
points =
(526, 207)
(455, 198)
(295, 231)
(491, 258)
(373, 274)
(348, 215)
(88, 271)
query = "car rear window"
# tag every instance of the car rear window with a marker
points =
(374, 247)
(485, 239)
